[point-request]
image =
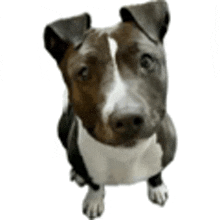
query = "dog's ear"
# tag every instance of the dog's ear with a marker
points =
(59, 35)
(152, 18)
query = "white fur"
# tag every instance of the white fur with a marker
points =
(65, 100)
(118, 88)
(93, 203)
(119, 165)
(158, 194)
(77, 178)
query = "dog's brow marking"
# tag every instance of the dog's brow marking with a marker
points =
(118, 88)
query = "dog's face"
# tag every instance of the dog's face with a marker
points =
(116, 80)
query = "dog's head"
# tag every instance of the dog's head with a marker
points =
(116, 77)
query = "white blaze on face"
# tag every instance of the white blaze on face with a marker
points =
(117, 88)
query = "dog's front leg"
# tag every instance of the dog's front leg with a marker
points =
(157, 190)
(93, 204)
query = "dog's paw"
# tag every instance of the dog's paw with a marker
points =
(93, 205)
(93, 209)
(158, 195)
(77, 178)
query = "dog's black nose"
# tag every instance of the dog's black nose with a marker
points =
(126, 124)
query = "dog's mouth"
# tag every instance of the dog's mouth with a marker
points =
(134, 130)
(115, 142)
(108, 137)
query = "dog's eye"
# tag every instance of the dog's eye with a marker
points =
(83, 74)
(146, 61)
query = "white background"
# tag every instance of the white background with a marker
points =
(34, 171)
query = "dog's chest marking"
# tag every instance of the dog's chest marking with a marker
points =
(108, 165)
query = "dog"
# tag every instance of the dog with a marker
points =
(115, 127)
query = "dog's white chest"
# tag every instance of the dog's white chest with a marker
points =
(108, 165)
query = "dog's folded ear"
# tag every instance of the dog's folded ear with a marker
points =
(59, 35)
(152, 18)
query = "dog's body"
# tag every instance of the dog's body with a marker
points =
(115, 127)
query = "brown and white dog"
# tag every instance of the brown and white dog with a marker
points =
(115, 127)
